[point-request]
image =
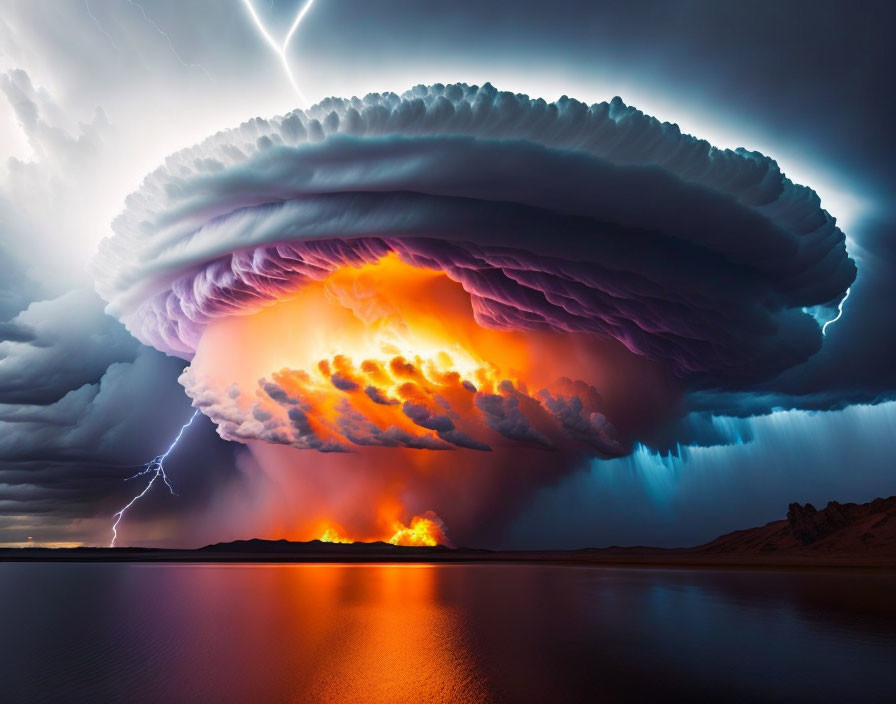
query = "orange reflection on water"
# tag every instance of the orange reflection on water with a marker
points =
(337, 633)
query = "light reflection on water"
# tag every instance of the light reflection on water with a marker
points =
(439, 633)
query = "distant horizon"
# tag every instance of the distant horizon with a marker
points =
(288, 270)
(336, 547)
(463, 352)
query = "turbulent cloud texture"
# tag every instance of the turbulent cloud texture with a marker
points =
(72, 429)
(82, 404)
(678, 267)
(550, 215)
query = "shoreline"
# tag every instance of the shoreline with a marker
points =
(671, 559)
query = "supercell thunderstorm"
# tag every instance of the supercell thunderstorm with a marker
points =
(523, 283)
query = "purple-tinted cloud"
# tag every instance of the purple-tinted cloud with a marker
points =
(566, 216)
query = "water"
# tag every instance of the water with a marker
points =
(440, 633)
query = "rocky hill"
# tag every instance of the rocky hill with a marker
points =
(837, 528)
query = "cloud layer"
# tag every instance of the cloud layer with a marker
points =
(765, 78)
(559, 215)
(597, 223)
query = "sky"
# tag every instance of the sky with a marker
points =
(96, 95)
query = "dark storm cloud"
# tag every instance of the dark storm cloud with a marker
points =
(857, 359)
(808, 72)
(855, 365)
(56, 346)
(82, 406)
(559, 215)
(815, 75)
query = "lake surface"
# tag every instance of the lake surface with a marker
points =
(440, 633)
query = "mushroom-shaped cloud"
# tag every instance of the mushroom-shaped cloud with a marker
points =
(598, 254)
(560, 215)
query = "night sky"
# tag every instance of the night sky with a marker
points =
(98, 94)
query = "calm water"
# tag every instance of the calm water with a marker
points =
(464, 633)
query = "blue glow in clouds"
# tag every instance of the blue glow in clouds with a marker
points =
(824, 327)
(673, 500)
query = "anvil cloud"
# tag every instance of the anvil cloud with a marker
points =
(557, 215)
(674, 265)
(767, 80)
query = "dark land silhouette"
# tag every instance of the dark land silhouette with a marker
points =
(854, 536)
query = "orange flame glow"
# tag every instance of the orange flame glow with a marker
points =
(422, 531)
(333, 535)
(383, 356)
(393, 349)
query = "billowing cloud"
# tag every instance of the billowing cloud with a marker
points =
(595, 239)
(53, 212)
(574, 217)
(298, 410)
(63, 460)
(57, 346)
(82, 404)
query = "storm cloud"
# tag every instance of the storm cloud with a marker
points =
(765, 78)
(550, 215)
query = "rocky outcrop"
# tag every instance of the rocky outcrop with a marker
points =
(809, 525)
(837, 528)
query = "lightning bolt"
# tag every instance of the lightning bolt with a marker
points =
(98, 25)
(824, 327)
(168, 39)
(280, 50)
(156, 469)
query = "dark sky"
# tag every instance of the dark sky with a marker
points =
(95, 100)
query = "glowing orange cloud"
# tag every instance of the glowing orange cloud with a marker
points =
(385, 356)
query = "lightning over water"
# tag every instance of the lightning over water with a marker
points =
(155, 468)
